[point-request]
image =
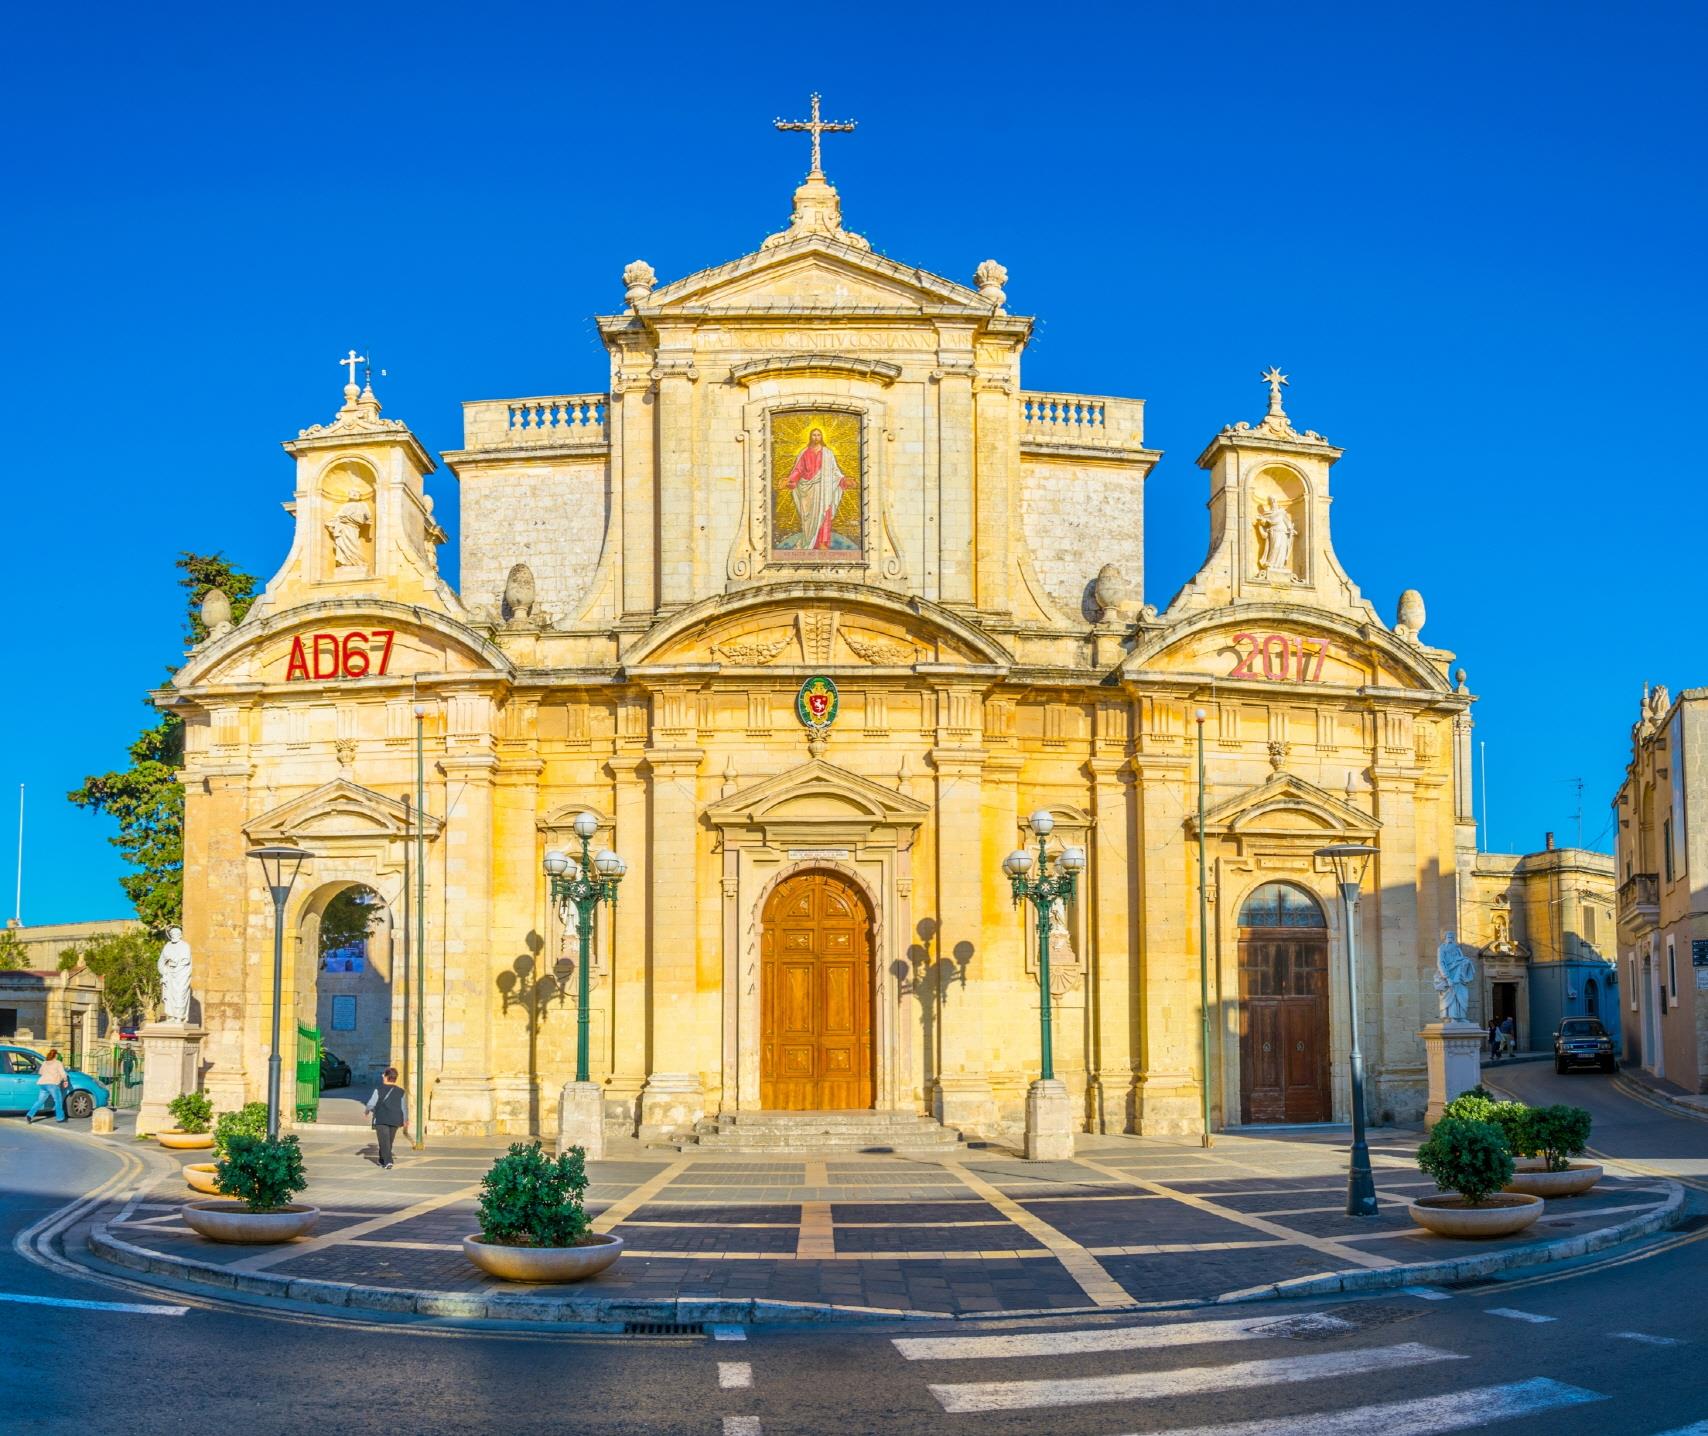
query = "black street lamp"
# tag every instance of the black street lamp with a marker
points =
(1350, 861)
(279, 866)
(595, 881)
(1043, 892)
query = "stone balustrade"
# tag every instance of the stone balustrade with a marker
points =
(546, 422)
(1089, 421)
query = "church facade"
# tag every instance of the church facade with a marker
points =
(814, 462)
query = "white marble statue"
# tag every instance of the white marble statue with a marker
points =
(175, 976)
(348, 528)
(1455, 971)
(1275, 534)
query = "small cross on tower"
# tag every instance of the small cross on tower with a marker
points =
(816, 127)
(350, 363)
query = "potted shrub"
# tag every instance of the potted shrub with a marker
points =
(1472, 1160)
(1547, 1141)
(533, 1225)
(264, 1173)
(1479, 1105)
(250, 1120)
(194, 1115)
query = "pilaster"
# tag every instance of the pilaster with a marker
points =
(674, 1099)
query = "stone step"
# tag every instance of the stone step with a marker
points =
(826, 1121)
(910, 1145)
(823, 1131)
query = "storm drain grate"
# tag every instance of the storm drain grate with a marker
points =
(664, 1328)
(1359, 1316)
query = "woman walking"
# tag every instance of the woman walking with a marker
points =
(51, 1085)
(390, 1106)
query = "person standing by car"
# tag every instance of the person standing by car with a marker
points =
(390, 1106)
(52, 1083)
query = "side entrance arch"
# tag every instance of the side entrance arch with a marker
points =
(815, 989)
(1283, 1007)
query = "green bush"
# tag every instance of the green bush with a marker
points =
(264, 1173)
(1556, 1134)
(249, 1120)
(529, 1199)
(1511, 1117)
(1478, 1091)
(1467, 1157)
(191, 1111)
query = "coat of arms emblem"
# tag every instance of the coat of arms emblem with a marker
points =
(816, 703)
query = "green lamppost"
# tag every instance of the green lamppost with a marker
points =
(594, 881)
(279, 867)
(1350, 861)
(1043, 891)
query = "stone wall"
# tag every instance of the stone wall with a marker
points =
(551, 517)
(1078, 517)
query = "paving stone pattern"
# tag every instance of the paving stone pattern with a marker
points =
(1160, 1221)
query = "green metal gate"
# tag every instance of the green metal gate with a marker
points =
(119, 1069)
(308, 1073)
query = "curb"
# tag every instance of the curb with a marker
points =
(562, 1310)
(1665, 1101)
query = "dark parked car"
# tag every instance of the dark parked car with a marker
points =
(334, 1071)
(1583, 1041)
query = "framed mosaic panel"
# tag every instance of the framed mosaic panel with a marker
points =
(816, 483)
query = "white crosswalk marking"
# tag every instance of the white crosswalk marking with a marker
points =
(1512, 1314)
(741, 1426)
(129, 1307)
(1426, 1416)
(728, 1332)
(734, 1375)
(1428, 1293)
(1648, 1340)
(1185, 1381)
(1699, 1429)
(1120, 1338)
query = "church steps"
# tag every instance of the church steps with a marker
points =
(851, 1132)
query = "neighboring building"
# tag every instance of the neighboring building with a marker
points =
(45, 942)
(44, 1007)
(1544, 924)
(817, 460)
(1662, 813)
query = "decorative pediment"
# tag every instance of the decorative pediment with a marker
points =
(1288, 807)
(817, 796)
(339, 810)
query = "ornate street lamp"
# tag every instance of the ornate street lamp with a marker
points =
(1350, 861)
(279, 867)
(595, 878)
(1043, 891)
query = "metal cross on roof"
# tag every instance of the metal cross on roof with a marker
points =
(816, 127)
(351, 363)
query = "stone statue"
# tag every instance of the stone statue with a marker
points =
(1454, 973)
(1275, 533)
(175, 976)
(518, 604)
(1064, 961)
(348, 528)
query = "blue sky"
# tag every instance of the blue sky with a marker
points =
(1472, 235)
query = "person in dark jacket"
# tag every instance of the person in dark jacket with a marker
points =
(390, 1106)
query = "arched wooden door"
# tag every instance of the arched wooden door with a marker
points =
(1283, 1000)
(815, 994)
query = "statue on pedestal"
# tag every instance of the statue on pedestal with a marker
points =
(175, 976)
(1455, 971)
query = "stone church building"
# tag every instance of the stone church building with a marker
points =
(815, 461)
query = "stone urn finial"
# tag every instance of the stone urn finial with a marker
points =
(216, 613)
(990, 277)
(1409, 618)
(639, 279)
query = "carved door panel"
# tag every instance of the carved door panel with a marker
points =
(815, 997)
(1283, 1026)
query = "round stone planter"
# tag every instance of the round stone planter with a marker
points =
(234, 1222)
(1533, 1179)
(200, 1176)
(1452, 1216)
(184, 1141)
(543, 1263)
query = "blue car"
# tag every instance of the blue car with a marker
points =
(19, 1092)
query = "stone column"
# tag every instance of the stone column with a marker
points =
(221, 888)
(459, 944)
(676, 478)
(1168, 954)
(1112, 966)
(172, 1066)
(1392, 951)
(1453, 1051)
(626, 966)
(521, 1092)
(674, 1099)
(964, 1098)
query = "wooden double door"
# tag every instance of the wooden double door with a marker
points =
(1283, 1025)
(815, 995)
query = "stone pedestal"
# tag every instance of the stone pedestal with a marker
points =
(966, 1104)
(671, 1105)
(1049, 1122)
(1454, 1051)
(581, 1119)
(102, 1121)
(171, 1066)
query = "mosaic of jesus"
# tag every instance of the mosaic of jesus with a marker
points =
(815, 485)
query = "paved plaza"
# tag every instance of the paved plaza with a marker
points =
(1129, 1222)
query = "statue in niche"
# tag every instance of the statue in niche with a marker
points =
(1275, 534)
(349, 528)
(174, 968)
(1454, 973)
(1064, 961)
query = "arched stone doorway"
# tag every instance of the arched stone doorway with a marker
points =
(345, 975)
(815, 986)
(1283, 1007)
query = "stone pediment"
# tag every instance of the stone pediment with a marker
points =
(813, 273)
(814, 797)
(1288, 807)
(335, 811)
